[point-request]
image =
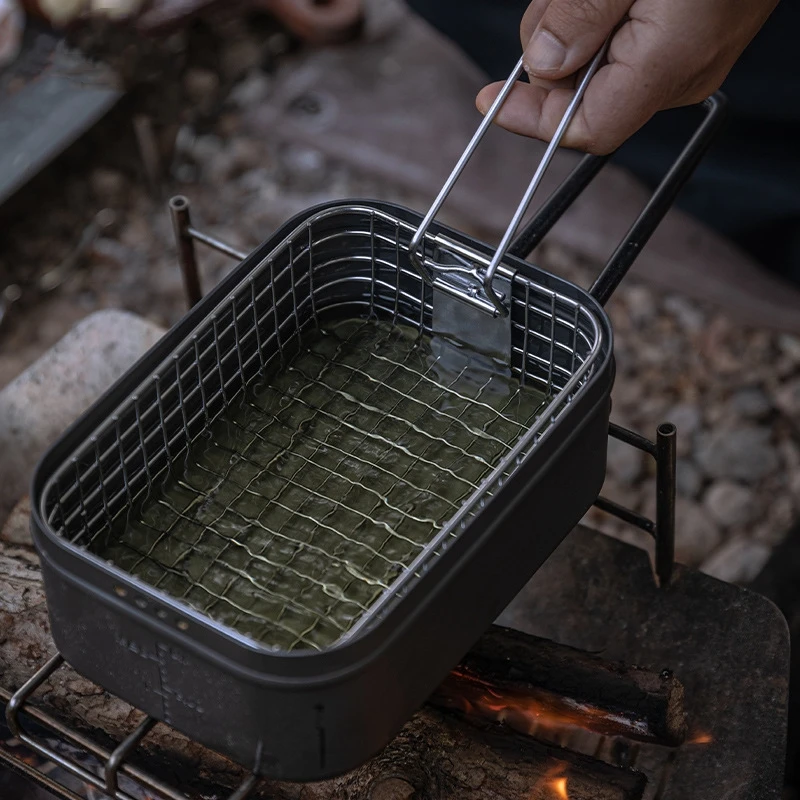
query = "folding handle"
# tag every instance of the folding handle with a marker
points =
(645, 225)
(430, 272)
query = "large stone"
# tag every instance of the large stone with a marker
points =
(44, 400)
(744, 454)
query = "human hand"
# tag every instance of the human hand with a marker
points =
(667, 53)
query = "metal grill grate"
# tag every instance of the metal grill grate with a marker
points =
(345, 263)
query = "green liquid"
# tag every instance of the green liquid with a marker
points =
(322, 482)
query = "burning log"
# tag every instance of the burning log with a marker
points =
(438, 754)
(537, 686)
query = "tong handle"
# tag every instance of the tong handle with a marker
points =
(417, 243)
(648, 220)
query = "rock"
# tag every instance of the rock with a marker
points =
(251, 91)
(201, 87)
(306, 166)
(787, 399)
(696, 533)
(112, 253)
(752, 403)
(206, 148)
(730, 503)
(744, 454)
(687, 418)
(116, 10)
(790, 347)
(109, 185)
(220, 167)
(240, 57)
(625, 463)
(738, 561)
(246, 154)
(690, 317)
(641, 304)
(689, 478)
(17, 529)
(12, 29)
(781, 514)
(43, 401)
(794, 486)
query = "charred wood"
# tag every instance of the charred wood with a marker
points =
(531, 683)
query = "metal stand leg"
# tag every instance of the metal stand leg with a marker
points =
(666, 467)
(182, 224)
(185, 237)
(663, 529)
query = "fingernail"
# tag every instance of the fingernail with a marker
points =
(545, 53)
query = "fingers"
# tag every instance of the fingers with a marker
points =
(614, 107)
(568, 34)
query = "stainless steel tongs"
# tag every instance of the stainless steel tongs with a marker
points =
(428, 268)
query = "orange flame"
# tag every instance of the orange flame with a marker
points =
(531, 710)
(701, 738)
(559, 786)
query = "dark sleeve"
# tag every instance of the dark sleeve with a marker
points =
(486, 30)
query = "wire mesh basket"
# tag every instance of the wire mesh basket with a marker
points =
(313, 445)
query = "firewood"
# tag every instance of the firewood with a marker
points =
(438, 753)
(529, 681)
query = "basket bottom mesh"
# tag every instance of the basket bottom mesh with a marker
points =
(323, 481)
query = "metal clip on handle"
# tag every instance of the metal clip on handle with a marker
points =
(417, 243)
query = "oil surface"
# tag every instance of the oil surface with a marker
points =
(322, 482)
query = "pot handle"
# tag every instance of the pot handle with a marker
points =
(429, 270)
(645, 225)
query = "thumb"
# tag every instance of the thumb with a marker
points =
(569, 34)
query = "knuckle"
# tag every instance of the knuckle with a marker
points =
(563, 15)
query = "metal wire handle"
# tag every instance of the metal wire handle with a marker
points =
(418, 261)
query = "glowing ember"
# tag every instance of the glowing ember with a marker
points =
(559, 786)
(701, 738)
(531, 710)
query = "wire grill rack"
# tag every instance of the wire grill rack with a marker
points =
(107, 770)
(346, 262)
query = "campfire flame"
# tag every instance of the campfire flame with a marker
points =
(531, 710)
(701, 738)
(559, 786)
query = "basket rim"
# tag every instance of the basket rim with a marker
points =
(60, 551)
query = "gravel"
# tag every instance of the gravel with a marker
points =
(788, 399)
(625, 463)
(745, 453)
(730, 504)
(739, 560)
(689, 478)
(697, 535)
(752, 403)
